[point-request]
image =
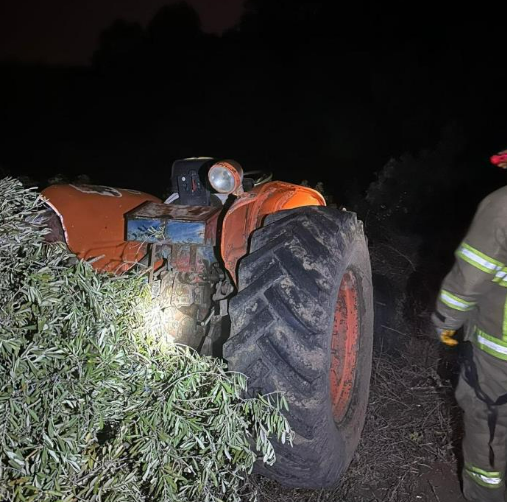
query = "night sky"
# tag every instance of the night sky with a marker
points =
(66, 32)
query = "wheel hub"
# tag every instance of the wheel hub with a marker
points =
(344, 345)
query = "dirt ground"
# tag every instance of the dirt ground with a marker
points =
(410, 447)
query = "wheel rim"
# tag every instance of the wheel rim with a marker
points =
(344, 345)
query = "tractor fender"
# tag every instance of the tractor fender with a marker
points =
(92, 219)
(248, 211)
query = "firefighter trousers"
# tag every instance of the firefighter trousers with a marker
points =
(484, 463)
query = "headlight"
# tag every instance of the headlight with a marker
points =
(226, 176)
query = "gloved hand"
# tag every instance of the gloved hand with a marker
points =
(444, 334)
(446, 337)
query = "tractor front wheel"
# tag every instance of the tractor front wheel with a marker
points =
(302, 324)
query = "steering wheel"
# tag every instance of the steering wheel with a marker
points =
(259, 176)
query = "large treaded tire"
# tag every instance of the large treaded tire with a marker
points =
(282, 323)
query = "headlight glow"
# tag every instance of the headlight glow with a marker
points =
(221, 179)
(160, 324)
(226, 177)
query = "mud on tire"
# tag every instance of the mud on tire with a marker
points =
(301, 289)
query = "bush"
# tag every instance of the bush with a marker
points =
(95, 404)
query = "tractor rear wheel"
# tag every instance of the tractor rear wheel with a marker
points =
(302, 324)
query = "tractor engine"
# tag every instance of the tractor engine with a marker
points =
(181, 263)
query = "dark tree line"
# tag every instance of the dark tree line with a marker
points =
(322, 90)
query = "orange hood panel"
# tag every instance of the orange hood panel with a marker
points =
(93, 221)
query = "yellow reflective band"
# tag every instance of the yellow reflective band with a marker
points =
(490, 344)
(484, 478)
(504, 323)
(501, 277)
(455, 302)
(479, 260)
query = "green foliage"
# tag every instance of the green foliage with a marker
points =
(95, 403)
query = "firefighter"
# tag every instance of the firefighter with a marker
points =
(474, 295)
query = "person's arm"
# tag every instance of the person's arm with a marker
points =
(480, 262)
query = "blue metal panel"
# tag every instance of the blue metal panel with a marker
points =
(171, 232)
(172, 224)
(185, 232)
(144, 230)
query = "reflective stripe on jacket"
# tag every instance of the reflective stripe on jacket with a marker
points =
(475, 290)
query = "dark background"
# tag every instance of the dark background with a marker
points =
(319, 90)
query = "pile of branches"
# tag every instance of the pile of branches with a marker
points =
(95, 403)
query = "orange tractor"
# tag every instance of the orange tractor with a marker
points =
(260, 272)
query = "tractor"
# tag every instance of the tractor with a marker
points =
(258, 272)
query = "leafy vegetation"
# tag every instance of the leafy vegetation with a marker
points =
(95, 403)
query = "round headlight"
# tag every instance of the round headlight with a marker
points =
(221, 179)
(225, 177)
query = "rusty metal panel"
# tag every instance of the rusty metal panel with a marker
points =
(151, 210)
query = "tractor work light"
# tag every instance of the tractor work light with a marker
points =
(226, 177)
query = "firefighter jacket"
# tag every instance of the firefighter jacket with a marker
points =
(475, 290)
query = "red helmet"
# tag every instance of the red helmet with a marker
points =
(500, 159)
